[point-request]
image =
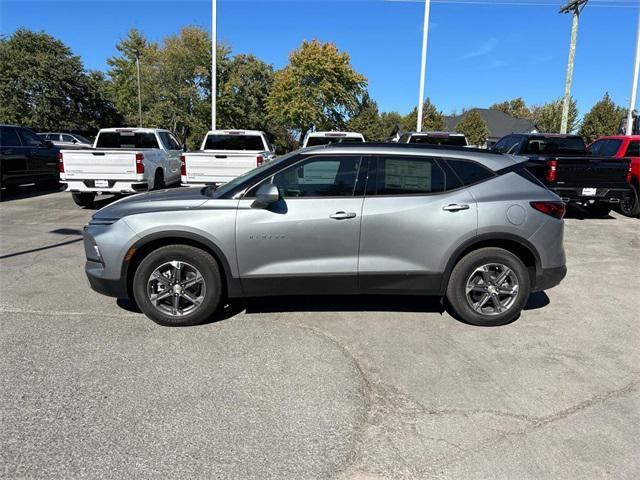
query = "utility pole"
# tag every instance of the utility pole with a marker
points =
(214, 55)
(574, 7)
(634, 84)
(139, 90)
(423, 65)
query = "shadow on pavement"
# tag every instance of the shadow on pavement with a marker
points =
(28, 191)
(578, 212)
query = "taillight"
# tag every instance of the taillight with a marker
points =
(60, 163)
(555, 209)
(552, 170)
(183, 166)
(259, 160)
(139, 164)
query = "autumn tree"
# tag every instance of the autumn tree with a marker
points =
(474, 128)
(317, 89)
(516, 108)
(603, 119)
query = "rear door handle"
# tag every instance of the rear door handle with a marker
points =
(454, 207)
(342, 215)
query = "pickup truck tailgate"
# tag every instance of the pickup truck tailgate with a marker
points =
(99, 164)
(592, 172)
(218, 167)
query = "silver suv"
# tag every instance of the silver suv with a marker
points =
(467, 224)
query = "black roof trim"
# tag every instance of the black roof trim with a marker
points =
(406, 146)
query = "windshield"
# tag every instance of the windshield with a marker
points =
(234, 142)
(227, 187)
(82, 139)
(126, 140)
(452, 140)
(566, 145)
(313, 141)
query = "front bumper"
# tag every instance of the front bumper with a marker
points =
(105, 286)
(549, 277)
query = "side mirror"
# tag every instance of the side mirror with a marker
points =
(266, 195)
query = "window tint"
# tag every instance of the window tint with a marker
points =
(326, 176)
(83, 139)
(67, 138)
(452, 140)
(633, 150)
(546, 145)
(29, 139)
(313, 141)
(234, 142)
(9, 137)
(126, 140)
(174, 143)
(408, 176)
(596, 146)
(469, 172)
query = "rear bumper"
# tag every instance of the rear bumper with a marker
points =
(605, 195)
(549, 277)
(115, 186)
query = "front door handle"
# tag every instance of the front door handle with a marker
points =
(454, 207)
(342, 215)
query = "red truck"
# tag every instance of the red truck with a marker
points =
(619, 146)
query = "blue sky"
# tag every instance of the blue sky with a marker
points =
(479, 53)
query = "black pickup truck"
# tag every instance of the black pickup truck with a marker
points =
(564, 165)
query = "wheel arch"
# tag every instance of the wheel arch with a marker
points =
(160, 239)
(520, 247)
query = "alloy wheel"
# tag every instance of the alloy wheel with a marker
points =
(176, 288)
(492, 289)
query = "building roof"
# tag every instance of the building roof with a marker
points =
(498, 122)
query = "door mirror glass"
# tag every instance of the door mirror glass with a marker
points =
(266, 195)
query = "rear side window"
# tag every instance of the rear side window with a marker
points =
(234, 142)
(408, 176)
(9, 137)
(126, 140)
(633, 150)
(29, 139)
(469, 172)
(551, 145)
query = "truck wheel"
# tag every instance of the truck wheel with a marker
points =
(489, 287)
(158, 180)
(598, 209)
(84, 199)
(178, 285)
(630, 206)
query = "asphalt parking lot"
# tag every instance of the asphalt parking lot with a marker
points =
(347, 388)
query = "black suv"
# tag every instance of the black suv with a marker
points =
(26, 158)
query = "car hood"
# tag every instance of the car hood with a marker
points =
(158, 201)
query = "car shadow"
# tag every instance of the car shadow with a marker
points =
(578, 212)
(28, 191)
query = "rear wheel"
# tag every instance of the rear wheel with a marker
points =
(489, 287)
(178, 285)
(598, 209)
(84, 199)
(630, 206)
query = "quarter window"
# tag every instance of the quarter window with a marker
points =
(408, 176)
(9, 137)
(633, 150)
(469, 172)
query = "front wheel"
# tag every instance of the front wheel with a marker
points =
(84, 199)
(630, 206)
(178, 285)
(489, 287)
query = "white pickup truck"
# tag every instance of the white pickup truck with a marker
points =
(224, 155)
(122, 160)
(324, 138)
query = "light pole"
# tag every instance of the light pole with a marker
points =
(575, 7)
(214, 55)
(139, 90)
(423, 64)
(634, 84)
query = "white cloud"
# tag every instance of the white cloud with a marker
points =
(484, 49)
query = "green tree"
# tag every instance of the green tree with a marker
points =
(516, 108)
(432, 118)
(474, 128)
(603, 119)
(367, 121)
(548, 117)
(44, 86)
(318, 88)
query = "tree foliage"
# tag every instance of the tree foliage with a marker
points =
(548, 117)
(432, 118)
(44, 86)
(474, 128)
(317, 89)
(516, 108)
(603, 119)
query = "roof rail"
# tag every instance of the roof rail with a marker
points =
(411, 146)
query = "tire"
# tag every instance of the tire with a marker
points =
(192, 263)
(158, 180)
(84, 199)
(630, 206)
(598, 210)
(469, 271)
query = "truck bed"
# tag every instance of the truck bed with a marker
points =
(207, 167)
(100, 164)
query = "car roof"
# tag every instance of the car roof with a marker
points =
(618, 137)
(236, 131)
(330, 133)
(488, 158)
(133, 129)
(548, 135)
(426, 134)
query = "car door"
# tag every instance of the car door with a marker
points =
(42, 161)
(415, 214)
(307, 242)
(14, 157)
(173, 149)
